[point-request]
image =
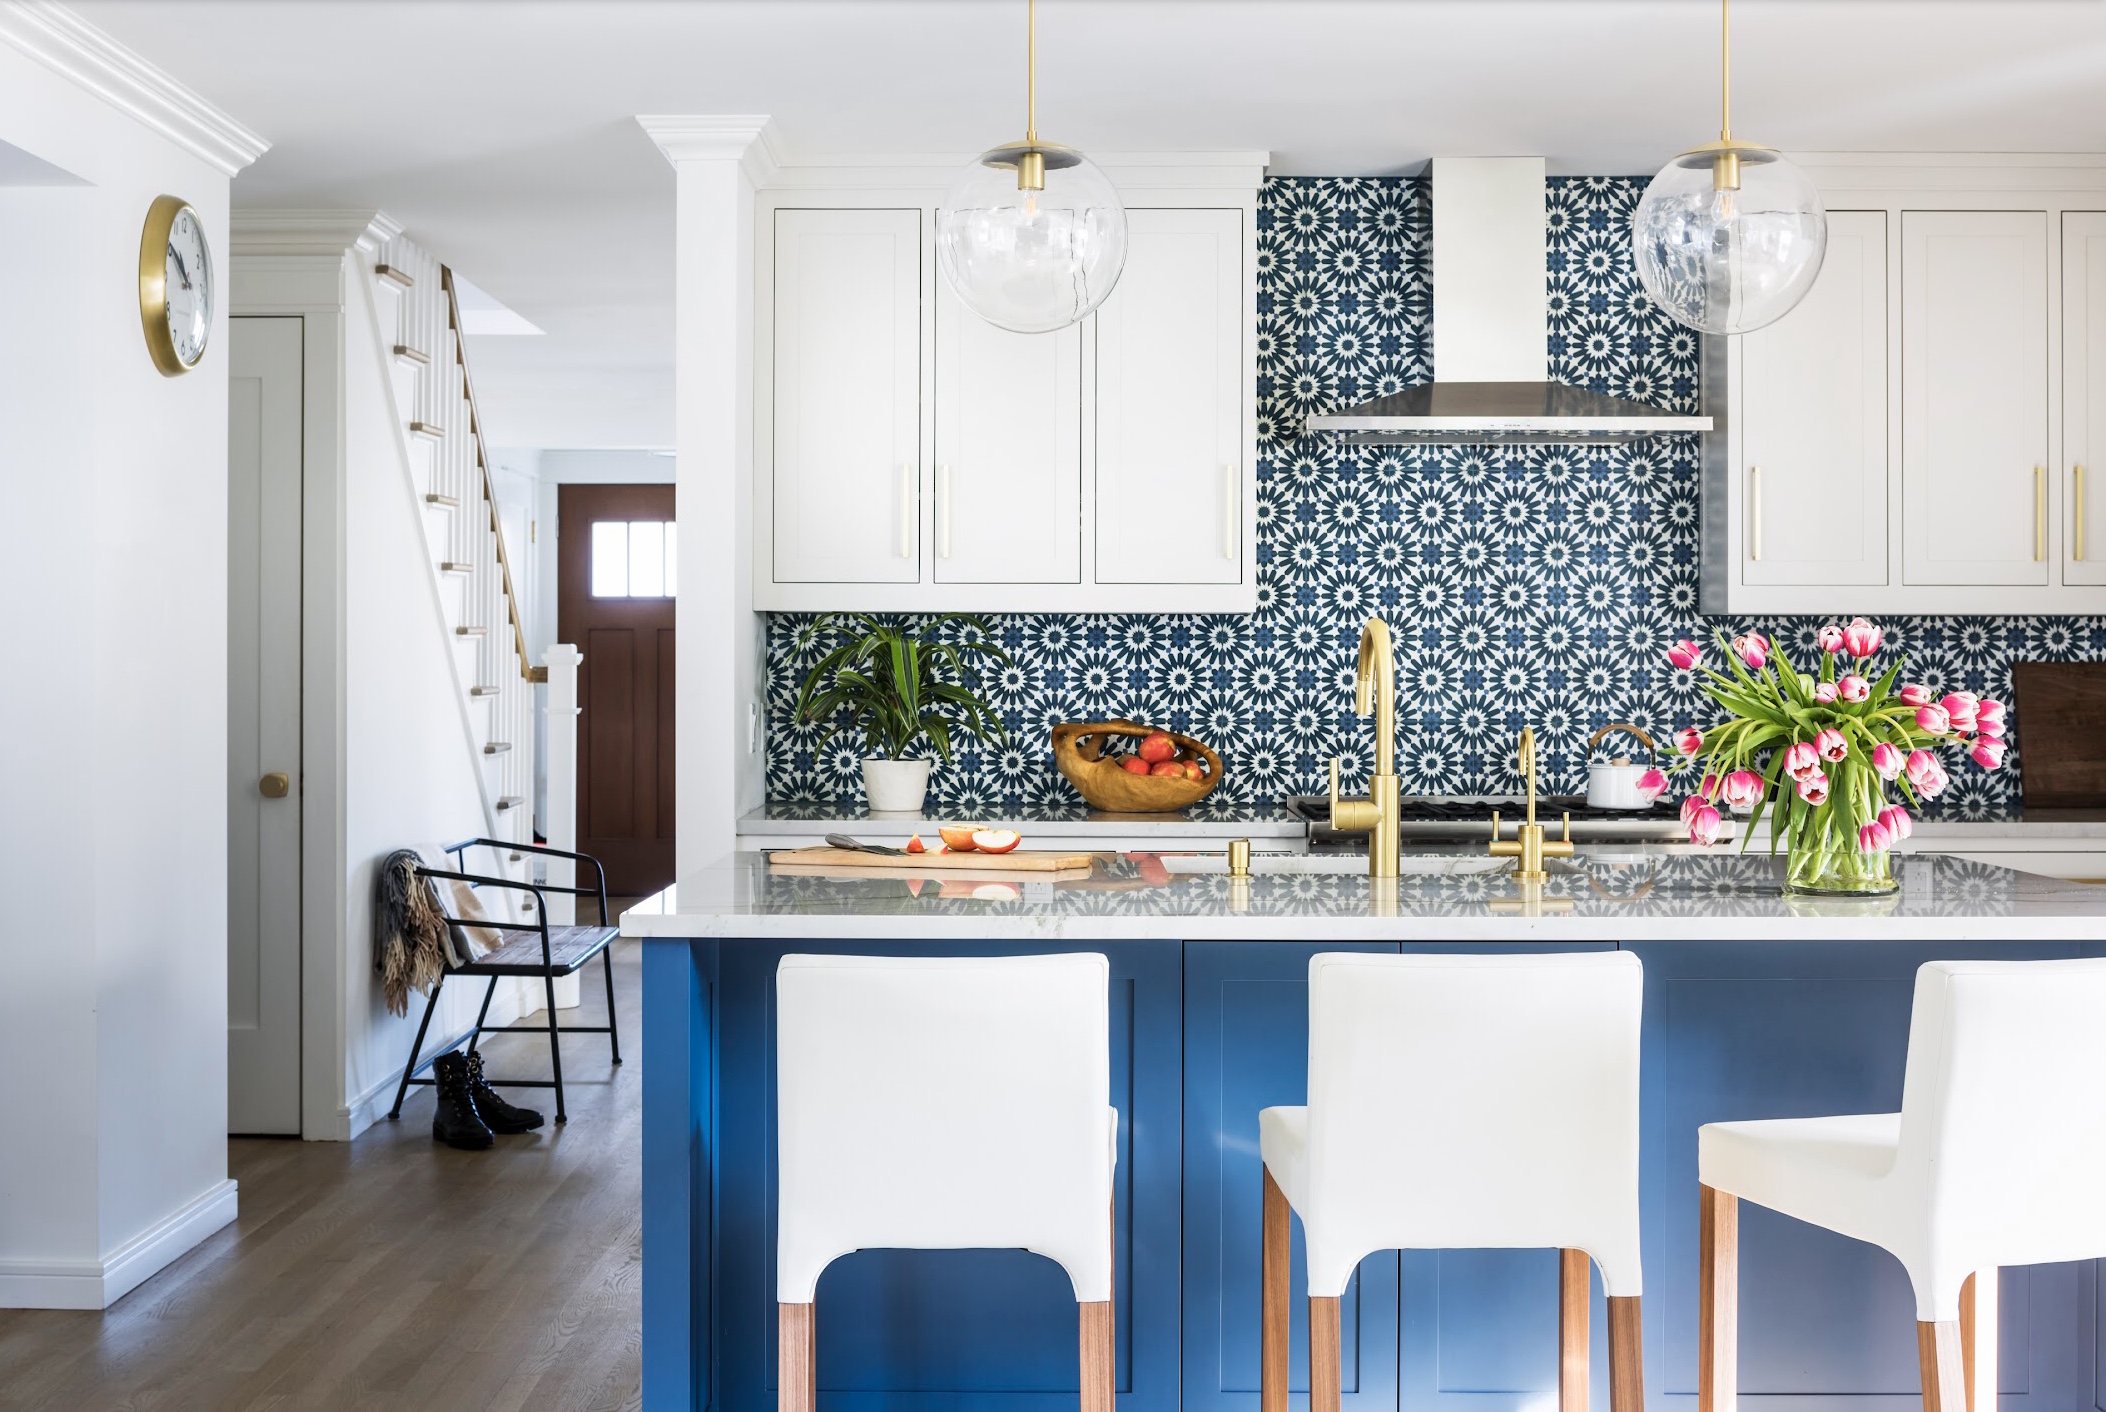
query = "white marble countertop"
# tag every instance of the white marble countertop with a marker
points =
(1203, 820)
(1628, 893)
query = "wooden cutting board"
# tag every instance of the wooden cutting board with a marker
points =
(1020, 861)
(2058, 706)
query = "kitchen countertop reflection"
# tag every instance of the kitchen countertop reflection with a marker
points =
(1618, 893)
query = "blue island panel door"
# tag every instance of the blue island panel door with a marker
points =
(1772, 1029)
(1247, 1048)
(952, 1330)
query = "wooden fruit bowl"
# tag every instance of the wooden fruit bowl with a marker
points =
(1078, 750)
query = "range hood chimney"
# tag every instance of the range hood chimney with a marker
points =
(1490, 311)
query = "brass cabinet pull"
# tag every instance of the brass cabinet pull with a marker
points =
(275, 785)
(943, 512)
(906, 511)
(1755, 514)
(2077, 506)
(2039, 513)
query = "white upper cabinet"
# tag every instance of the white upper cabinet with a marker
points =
(846, 419)
(1813, 422)
(910, 457)
(2084, 393)
(1977, 500)
(1171, 403)
(1008, 451)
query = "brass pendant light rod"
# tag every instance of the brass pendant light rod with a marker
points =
(1031, 162)
(1725, 71)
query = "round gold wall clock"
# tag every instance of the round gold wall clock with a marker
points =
(175, 285)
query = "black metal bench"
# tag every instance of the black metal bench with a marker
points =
(542, 950)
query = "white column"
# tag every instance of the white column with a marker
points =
(717, 163)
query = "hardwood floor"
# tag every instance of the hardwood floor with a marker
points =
(392, 1272)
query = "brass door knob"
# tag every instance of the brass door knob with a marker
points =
(275, 785)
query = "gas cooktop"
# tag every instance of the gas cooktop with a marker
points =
(1468, 818)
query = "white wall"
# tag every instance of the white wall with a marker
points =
(113, 748)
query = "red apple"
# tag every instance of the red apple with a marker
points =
(957, 837)
(1134, 765)
(1194, 771)
(1168, 768)
(1157, 748)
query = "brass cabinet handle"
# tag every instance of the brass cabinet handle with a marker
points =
(906, 511)
(2077, 506)
(275, 785)
(2039, 513)
(943, 512)
(1755, 514)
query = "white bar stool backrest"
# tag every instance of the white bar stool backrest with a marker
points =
(2003, 1111)
(1467, 1100)
(942, 1103)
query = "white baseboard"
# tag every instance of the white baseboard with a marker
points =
(97, 1284)
(371, 1106)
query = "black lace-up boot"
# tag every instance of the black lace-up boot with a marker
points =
(502, 1117)
(454, 1121)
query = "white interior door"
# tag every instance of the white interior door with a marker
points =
(263, 725)
(1977, 499)
(1008, 451)
(1813, 422)
(2084, 393)
(847, 423)
(1170, 401)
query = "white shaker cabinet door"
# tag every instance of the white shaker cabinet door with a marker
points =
(1008, 451)
(847, 396)
(1813, 422)
(1978, 501)
(2084, 393)
(1170, 403)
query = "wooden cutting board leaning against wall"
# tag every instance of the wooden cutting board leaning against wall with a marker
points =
(2061, 715)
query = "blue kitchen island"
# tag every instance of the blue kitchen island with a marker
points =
(1756, 1006)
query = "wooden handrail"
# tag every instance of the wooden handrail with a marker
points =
(482, 463)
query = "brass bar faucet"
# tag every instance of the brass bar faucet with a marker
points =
(1529, 845)
(1374, 693)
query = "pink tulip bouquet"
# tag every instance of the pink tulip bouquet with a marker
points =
(1820, 753)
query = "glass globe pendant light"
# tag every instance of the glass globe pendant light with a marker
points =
(1031, 235)
(1729, 236)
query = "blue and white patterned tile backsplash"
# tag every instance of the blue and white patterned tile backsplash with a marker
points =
(1526, 585)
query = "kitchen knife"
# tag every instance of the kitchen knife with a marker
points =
(842, 840)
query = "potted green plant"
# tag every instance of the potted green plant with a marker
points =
(898, 685)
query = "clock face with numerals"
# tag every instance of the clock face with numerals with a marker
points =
(175, 286)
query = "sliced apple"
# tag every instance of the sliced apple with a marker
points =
(915, 845)
(996, 840)
(996, 892)
(958, 837)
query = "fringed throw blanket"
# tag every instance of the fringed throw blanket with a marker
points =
(411, 948)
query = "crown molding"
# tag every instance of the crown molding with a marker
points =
(77, 51)
(325, 232)
(746, 138)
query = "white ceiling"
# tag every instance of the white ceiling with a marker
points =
(500, 132)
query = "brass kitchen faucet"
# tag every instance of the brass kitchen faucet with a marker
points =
(1374, 692)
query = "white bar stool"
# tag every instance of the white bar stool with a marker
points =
(1994, 1159)
(943, 1104)
(1460, 1101)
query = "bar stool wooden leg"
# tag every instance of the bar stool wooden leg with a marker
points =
(1938, 1357)
(1573, 1270)
(1273, 1317)
(1325, 1359)
(796, 1359)
(1718, 1300)
(1626, 1356)
(1098, 1341)
(1978, 1330)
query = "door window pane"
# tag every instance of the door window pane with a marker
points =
(610, 559)
(633, 558)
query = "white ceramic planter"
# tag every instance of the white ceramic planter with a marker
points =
(895, 786)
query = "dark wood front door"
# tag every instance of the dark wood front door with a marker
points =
(616, 576)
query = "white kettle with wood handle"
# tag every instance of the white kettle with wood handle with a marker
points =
(1613, 783)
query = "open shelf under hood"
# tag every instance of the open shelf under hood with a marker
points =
(1501, 414)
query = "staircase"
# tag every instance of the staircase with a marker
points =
(413, 295)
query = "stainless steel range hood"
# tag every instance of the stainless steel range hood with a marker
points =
(1490, 312)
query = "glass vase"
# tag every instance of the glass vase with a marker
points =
(1826, 868)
